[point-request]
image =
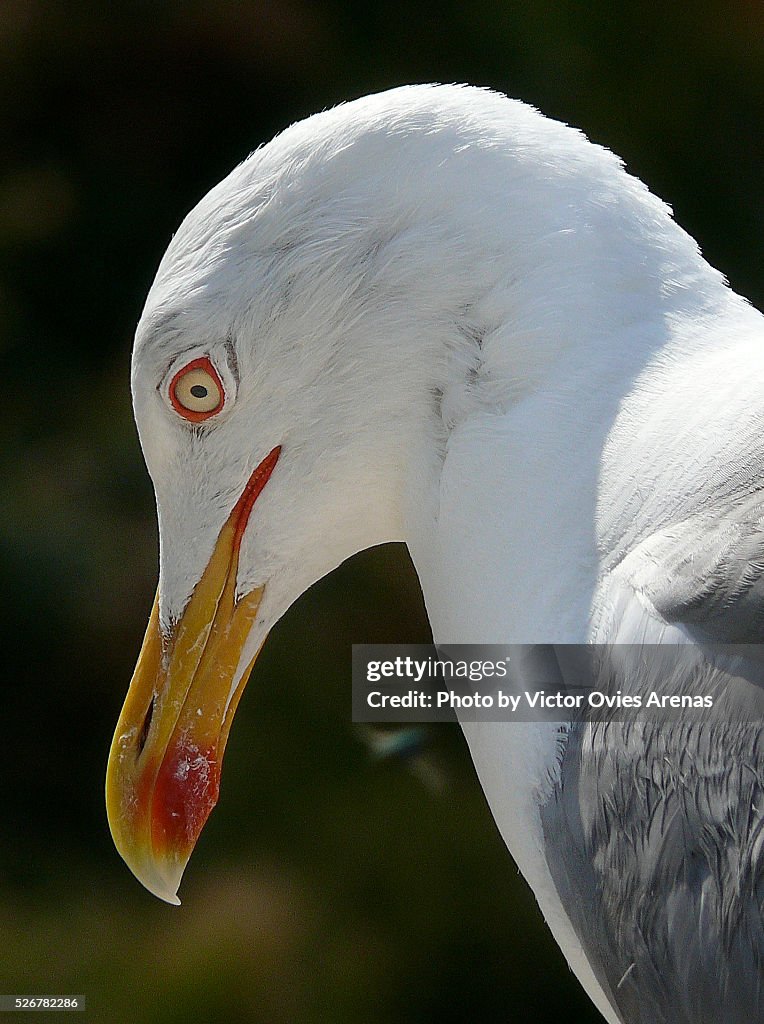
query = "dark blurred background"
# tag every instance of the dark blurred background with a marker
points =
(327, 887)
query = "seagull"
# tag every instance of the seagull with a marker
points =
(433, 315)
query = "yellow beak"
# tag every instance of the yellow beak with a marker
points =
(163, 775)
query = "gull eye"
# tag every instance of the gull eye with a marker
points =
(196, 391)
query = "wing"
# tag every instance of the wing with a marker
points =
(655, 829)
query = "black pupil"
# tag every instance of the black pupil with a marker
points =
(199, 391)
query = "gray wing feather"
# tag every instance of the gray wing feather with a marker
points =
(655, 829)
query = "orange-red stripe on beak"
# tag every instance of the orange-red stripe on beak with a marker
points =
(163, 775)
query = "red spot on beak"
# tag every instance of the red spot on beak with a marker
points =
(186, 790)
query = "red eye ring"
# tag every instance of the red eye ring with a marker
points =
(183, 404)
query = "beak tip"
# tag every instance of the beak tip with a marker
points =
(170, 898)
(163, 889)
(159, 875)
